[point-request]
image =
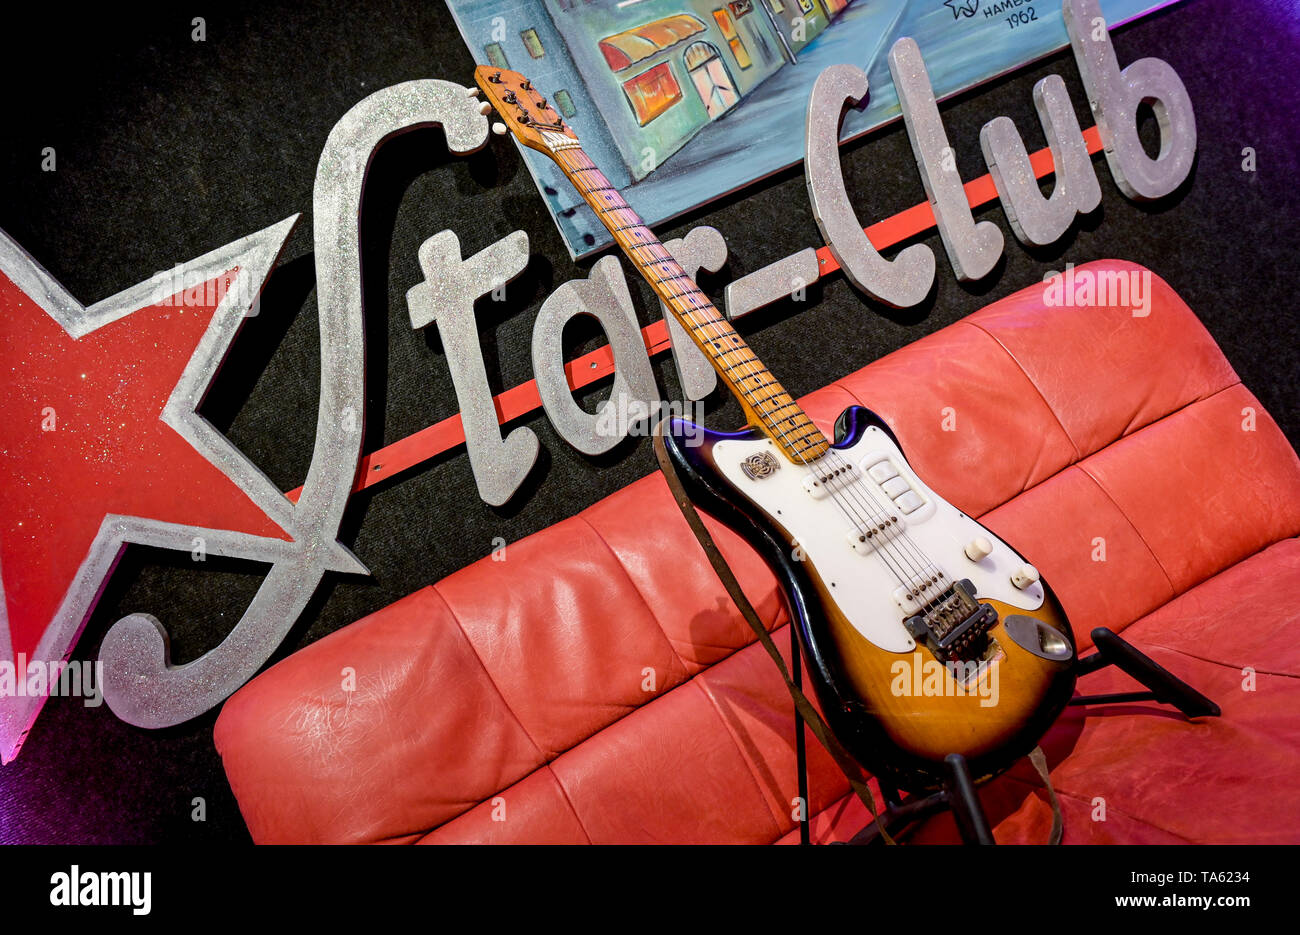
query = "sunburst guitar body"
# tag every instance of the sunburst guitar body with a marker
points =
(925, 634)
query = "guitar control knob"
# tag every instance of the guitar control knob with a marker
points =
(485, 108)
(499, 129)
(1024, 576)
(978, 548)
(471, 92)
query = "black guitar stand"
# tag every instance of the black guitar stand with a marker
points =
(958, 792)
(1163, 686)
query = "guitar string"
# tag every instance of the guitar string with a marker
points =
(935, 588)
(918, 574)
(923, 580)
(926, 580)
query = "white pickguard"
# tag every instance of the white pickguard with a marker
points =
(866, 584)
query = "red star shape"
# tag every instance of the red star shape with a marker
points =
(81, 438)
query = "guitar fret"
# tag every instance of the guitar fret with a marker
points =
(776, 412)
(755, 365)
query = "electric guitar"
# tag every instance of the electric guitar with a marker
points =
(924, 634)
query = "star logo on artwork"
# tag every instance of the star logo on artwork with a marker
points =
(102, 445)
(962, 8)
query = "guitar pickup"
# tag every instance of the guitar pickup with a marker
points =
(865, 541)
(823, 483)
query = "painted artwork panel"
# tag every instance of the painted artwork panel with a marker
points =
(682, 101)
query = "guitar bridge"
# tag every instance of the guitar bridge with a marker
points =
(957, 626)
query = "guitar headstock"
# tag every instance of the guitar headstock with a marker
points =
(523, 110)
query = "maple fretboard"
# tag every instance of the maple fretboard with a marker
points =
(765, 401)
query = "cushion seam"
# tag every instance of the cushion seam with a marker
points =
(1216, 572)
(1078, 452)
(1072, 795)
(1173, 591)
(1218, 662)
(505, 701)
(649, 608)
(568, 800)
(1111, 444)
(749, 767)
(495, 687)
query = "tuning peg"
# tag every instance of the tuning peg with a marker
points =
(499, 128)
(471, 92)
(485, 108)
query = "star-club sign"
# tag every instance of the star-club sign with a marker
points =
(102, 446)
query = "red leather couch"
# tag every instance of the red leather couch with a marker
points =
(597, 686)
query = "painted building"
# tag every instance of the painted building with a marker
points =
(637, 79)
(799, 22)
(520, 36)
(660, 70)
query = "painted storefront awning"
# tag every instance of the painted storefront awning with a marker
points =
(625, 49)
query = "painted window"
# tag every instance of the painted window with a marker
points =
(709, 75)
(777, 6)
(728, 27)
(564, 102)
(496, 55)
(806, 5)
(532, 43)
(652, 92)
(723, 19)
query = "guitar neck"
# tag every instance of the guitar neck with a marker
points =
(765, 401)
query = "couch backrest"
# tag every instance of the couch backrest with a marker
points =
(598, 686)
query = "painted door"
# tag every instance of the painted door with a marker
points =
(712, 82)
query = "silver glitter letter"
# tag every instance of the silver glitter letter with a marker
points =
(450, 288)
(774, 281)
(1115, 95)
(1036, 220)
(973, 249)
(604, 296)
(140, 684)
(900, 282)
